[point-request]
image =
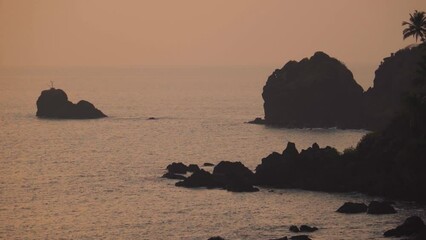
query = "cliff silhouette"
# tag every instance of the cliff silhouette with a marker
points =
(320, 92)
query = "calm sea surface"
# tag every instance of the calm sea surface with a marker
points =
(100, 179)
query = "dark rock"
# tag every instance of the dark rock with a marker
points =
(412, 225)
(283, 238)
(193, 168)
(294, 228)
(152, 118)
(200, 178)
(376, 207)
(395, 76)
(216, 238)
(53, 103)
(257, 121)
(350, 207)
(290, 151)
(235, 176)
(300, 237)
(315, 92)
(313, 168)
(208, 164)
(179, 168)
(228, 170)
(306, 228)
(170, 175)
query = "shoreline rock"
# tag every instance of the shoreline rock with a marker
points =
(352, 208)
(412, 226)
(231, 176)
(379, 208)
(320, 92)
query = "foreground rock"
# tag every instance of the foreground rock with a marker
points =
(232, 176)
(200, 178)
(170, 175)
(315, 92)
(53, 103)
(178, 168)
(350, 207)
(376, 207)
(312, 169)
(413, 226)
(303, 228)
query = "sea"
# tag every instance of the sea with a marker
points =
(101, 179)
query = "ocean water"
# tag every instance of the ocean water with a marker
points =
(100, 179)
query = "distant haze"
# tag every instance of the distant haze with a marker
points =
(192, 32)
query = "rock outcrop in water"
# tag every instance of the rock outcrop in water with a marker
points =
(54, 103)
(412, 226)
(315, 92)
(394, 77)
(377, 208)
(232, 176)
(351, 208)
(320, 92)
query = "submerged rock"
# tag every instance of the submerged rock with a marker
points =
(303, 228)
(53, 103)
(350, 207)
(411, 226)
(170, 175)
(179, 168)
(300, 237)
(376, 207)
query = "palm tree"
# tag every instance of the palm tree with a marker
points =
(416, 26)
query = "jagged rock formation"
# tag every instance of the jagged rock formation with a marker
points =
(321, 92)
(315, 92)
(53, 103)
(232, 176)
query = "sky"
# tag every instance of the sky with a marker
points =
(198, 32)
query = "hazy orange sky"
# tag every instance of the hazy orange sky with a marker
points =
(195, 32)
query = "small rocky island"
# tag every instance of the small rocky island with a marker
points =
(54, 103)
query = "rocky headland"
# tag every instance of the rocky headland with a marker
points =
(320, 92)
(54, 103)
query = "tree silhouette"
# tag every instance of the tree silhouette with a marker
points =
(416, 26)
